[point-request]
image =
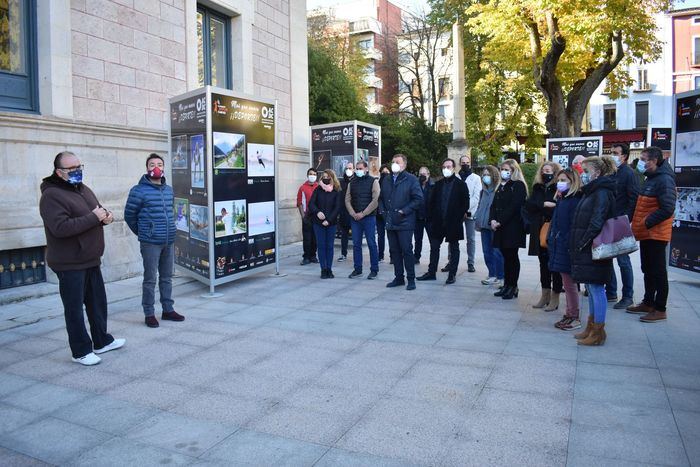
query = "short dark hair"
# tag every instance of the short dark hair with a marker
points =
(654, 152)
(59, 158)
(448, 160)
(153, 155)
(361, 163)
(402, 156)
(623, 147)
(311, 169)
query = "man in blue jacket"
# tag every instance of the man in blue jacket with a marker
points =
(400, 199)
(626, 193)
(149, 214)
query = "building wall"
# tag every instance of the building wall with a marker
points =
(390, 16)
(107, 69)
(684, 31)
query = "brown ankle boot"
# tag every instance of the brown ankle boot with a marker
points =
(589, 325)
(553, 302)
(544, 298)
(596, 337)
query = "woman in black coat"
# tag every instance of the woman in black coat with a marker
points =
(324, 207)
(539, 208)
(596, 206)
(507, 224)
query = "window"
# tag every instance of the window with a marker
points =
(642, 80)
(697, 82)
(444, 87)
(371, 97)
(403, 86)
(609, 117)
(641, 112)
(369, 69)
(444, 51)
(696, 51)
(696, 19)
(441, 111)
(18, 83)
(213, 48)
(365, 44)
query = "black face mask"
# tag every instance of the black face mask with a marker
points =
(422, 178)
(546, 178)
(326, 180)
(383, 174)
(466, 167)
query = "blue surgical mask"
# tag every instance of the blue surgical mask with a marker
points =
(585, 178)
(359, 173)
(486, 179)
(617, 161)
(75, 177)
(641, 165)
(562, 186)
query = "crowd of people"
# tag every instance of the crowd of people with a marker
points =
(564, 214)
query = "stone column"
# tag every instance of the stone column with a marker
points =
(459, 146)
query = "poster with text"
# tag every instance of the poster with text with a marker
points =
(332, 144)
(564, 150)
(368, 148)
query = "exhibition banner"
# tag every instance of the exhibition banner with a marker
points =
(332, 147)
(563, 151)
(685, 248)
(368, 149)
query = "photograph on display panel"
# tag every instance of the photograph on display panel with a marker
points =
(230, 218)
(199, 222)
(374, 166)
(262, 218)
(178, 153)
(688, 205)
(198, 162)
(322, 159)
(181, 206)
(339, 163)
(261, 160)
(229, 150)
(688, 149)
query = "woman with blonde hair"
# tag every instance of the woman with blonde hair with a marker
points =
(490, 179)
(593, 210)
(568, 184)
(324, 208)
(539, 208)
(507, 224)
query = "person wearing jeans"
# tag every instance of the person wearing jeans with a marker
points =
(492, 256)
(324, 207)
(344, 218)
(473, 183)
(361, 201)
(149, 215)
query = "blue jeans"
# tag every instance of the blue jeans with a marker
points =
(627, 276)
(325, 238)
(597, 302)
(368, 226)
(492, 256)
(157, 259)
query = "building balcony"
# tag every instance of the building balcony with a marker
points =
(365, 25)
(372, 54)
(374, 82)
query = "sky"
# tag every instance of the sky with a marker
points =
(410, 5)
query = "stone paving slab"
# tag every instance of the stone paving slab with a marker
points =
(298, 371)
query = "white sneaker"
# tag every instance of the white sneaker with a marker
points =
(116, 344)
(488, 280)
(497, 282)
(88, 360)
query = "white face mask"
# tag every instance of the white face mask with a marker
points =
(396, 168)
(312, 178)
(505, 175)
(617, 160)
(447, 172)
(348, 172)
(360, 173)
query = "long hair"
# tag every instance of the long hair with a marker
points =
(555, 169)
(334, 179)
(516, 172)
(495, 176)
(574, 180)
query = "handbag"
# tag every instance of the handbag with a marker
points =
(615, 239)
(544, 232)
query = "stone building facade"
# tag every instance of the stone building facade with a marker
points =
(105, 70)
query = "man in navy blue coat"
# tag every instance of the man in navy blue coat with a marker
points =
(149, 214)
(400, 199)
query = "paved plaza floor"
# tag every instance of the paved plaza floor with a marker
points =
(300, 371)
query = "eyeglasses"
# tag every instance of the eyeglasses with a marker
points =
(69, 169)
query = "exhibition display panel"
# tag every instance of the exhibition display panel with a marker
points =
(333, 145)
(563, 151)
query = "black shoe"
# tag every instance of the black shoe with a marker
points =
(450, 279)
(611, 298)
(396, 282)
(391, 261)
(314, 260)
(623, 303)
(428, 276)
(417, 261)
(372, 275)
(305, 261)
(329, 273)
(152, 322)
(446, 268)
(500, 291)
(411, 285)
(510, 294)
(471, 268)
(355, 273)
(324, 274)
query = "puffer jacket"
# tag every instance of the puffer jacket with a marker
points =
(483, 210)
(538, 214)
(149, 212)
(596, 206)
(653, 216)
(559, 231)
(406, 196)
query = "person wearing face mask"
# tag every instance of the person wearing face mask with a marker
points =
(626, 192)
(473, 183)
(307, 233)
(324, 207)
(400, 198)
(568, 196)
(447, 205)
(492, 256)
(507, 224)
(426, 186)
(596, 207)
(381, 220)
(74, 222)
(539, 207)
(651, 225)
(344, 217)
(148, 213)
(361, 201)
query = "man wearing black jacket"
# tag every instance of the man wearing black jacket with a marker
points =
(626, 192)
(448, 204)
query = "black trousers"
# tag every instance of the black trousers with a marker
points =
(84, 286)
(453, 249)
(548, 279)
(418, 238)
(381, 235)
(344, 237)
(309, 239)
(511, 266)
(401, 252)
(653, 256)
